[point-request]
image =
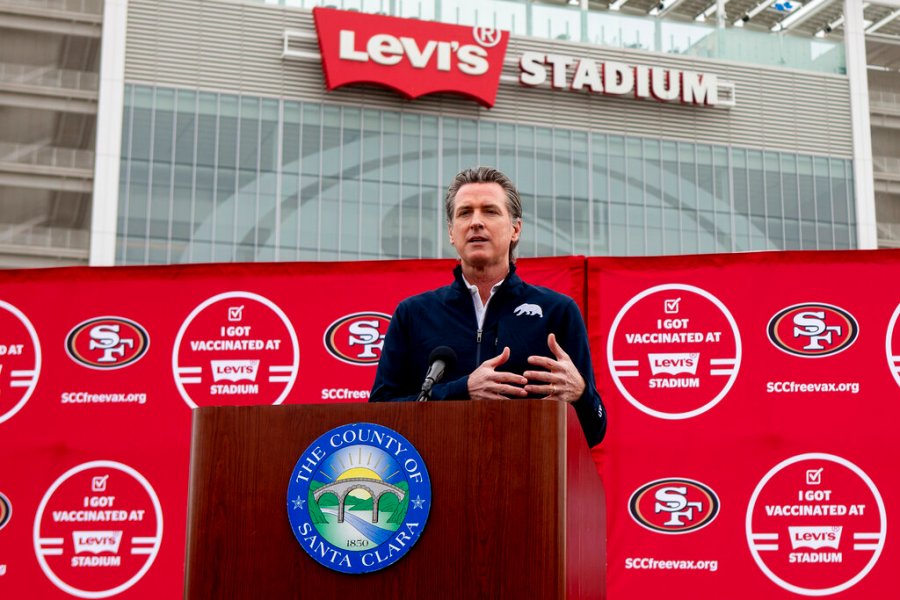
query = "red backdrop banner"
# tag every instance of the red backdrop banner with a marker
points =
(99, 371)
(752, 402)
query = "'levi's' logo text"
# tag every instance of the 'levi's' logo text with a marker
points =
(234, 370)
(815, 537)
(410, 56)
(674, 363)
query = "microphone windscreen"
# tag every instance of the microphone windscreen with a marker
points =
(444, 353)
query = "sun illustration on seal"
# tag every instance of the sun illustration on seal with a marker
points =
(359, 496)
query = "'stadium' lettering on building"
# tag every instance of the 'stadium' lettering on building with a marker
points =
(620, 79)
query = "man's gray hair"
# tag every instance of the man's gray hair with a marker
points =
(486, 175)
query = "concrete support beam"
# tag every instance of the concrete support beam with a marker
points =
(863, 172)
(105, 204)
(45, 182)
(43, 102)
(82, 26)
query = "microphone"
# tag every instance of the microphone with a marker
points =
(441, 360)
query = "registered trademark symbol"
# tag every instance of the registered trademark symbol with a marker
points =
(487, 37)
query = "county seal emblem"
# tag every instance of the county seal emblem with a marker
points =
(358, 498)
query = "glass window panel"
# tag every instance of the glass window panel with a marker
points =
(391, 221)
(268, 137)
(249, 134)
(487, 144)
(562, 192)
(839, 194)
(266, 217)
(289, 211)
(724, 238)
(450, 149)
(160, 199)
(821, 178)
(411, 152)
(430, 154)
(207, 130)
(468, 144)
(653, 194)
(228, 132)
(350, 223)
(410, 225)
(204, 194)
(311, 140)
(758, 238)
(309, 216)
(635, 215)
(290, 137)
(223, 233)
(331, 142)
(164, 115)
(705, 185)
(126, 122)
(182, 196)
(351, 148)
(185, 121)
(581, 191)
(706, 234)
(526, 181)
(390, 169)
(370, 240)
(141, 123)
(841, 237)
(506, 150)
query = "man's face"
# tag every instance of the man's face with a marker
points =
(481, 229)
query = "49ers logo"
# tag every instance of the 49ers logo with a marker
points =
(357, 338)
(107, 343)
(5, 511)
(674, 505)
(811, 330)
(410, 56)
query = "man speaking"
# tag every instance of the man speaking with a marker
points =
(496, 336)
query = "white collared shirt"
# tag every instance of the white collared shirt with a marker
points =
(480, 308)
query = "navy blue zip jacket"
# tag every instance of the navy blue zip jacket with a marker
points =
(519, 315)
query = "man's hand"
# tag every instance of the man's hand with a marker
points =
(486, 383)
(560, 381)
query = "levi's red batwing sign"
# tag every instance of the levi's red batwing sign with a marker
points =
(409, 56)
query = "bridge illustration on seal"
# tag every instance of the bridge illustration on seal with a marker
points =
(343, 487)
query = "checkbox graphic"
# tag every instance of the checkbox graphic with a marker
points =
(814, 476)
(671, 306)
(235, 313)
(98, 484)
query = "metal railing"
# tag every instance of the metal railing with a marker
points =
(888, 235)
(89, 7)
(552, 20)
(47, 156)
(49, 76)
(886, 164)
(36, 236)
(884, 98)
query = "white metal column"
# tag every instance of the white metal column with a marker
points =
(105, 204)
(863, 176)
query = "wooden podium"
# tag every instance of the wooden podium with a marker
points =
(518, 510)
